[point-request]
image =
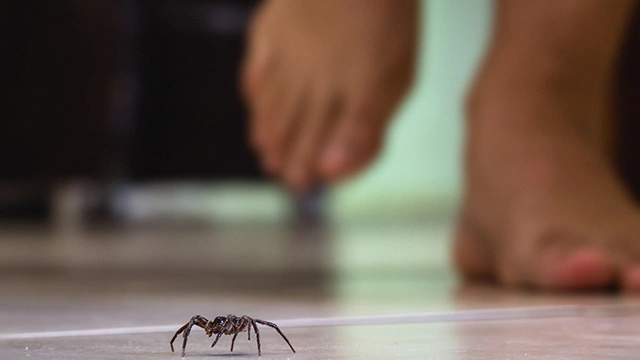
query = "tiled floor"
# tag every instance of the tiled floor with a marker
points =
(530, 339)
(328, 307)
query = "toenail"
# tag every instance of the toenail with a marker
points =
(334, 158)
(584, 269)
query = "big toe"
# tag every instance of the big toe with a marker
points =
(577, 269)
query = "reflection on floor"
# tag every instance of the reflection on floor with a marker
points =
(57, 282)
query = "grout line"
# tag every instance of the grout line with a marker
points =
(431, 317)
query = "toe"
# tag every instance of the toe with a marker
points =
(261, 104)
(470, 254)
(355, 141)
(581, 269)
(284, 127)
(300, 172)
(631, 279)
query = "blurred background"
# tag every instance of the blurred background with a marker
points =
(129, 198)
(123, 151)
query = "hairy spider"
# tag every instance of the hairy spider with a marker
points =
(225, 325)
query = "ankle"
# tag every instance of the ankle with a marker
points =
(544, 103)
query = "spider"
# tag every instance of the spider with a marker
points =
(226, 325)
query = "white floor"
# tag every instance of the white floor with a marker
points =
(334, 293)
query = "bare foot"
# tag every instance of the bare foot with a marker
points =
(322, 79)
(543, 205)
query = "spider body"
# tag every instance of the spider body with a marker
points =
(225, 325)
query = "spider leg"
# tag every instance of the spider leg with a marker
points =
(196, 320)
(176, 335)
(228, 325)
(255, 328)
(233, 340)
(217, 338)
(272, 325)
(246, 323)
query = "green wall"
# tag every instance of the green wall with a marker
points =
(420, 167)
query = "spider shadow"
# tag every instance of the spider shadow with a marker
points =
(229, 355)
